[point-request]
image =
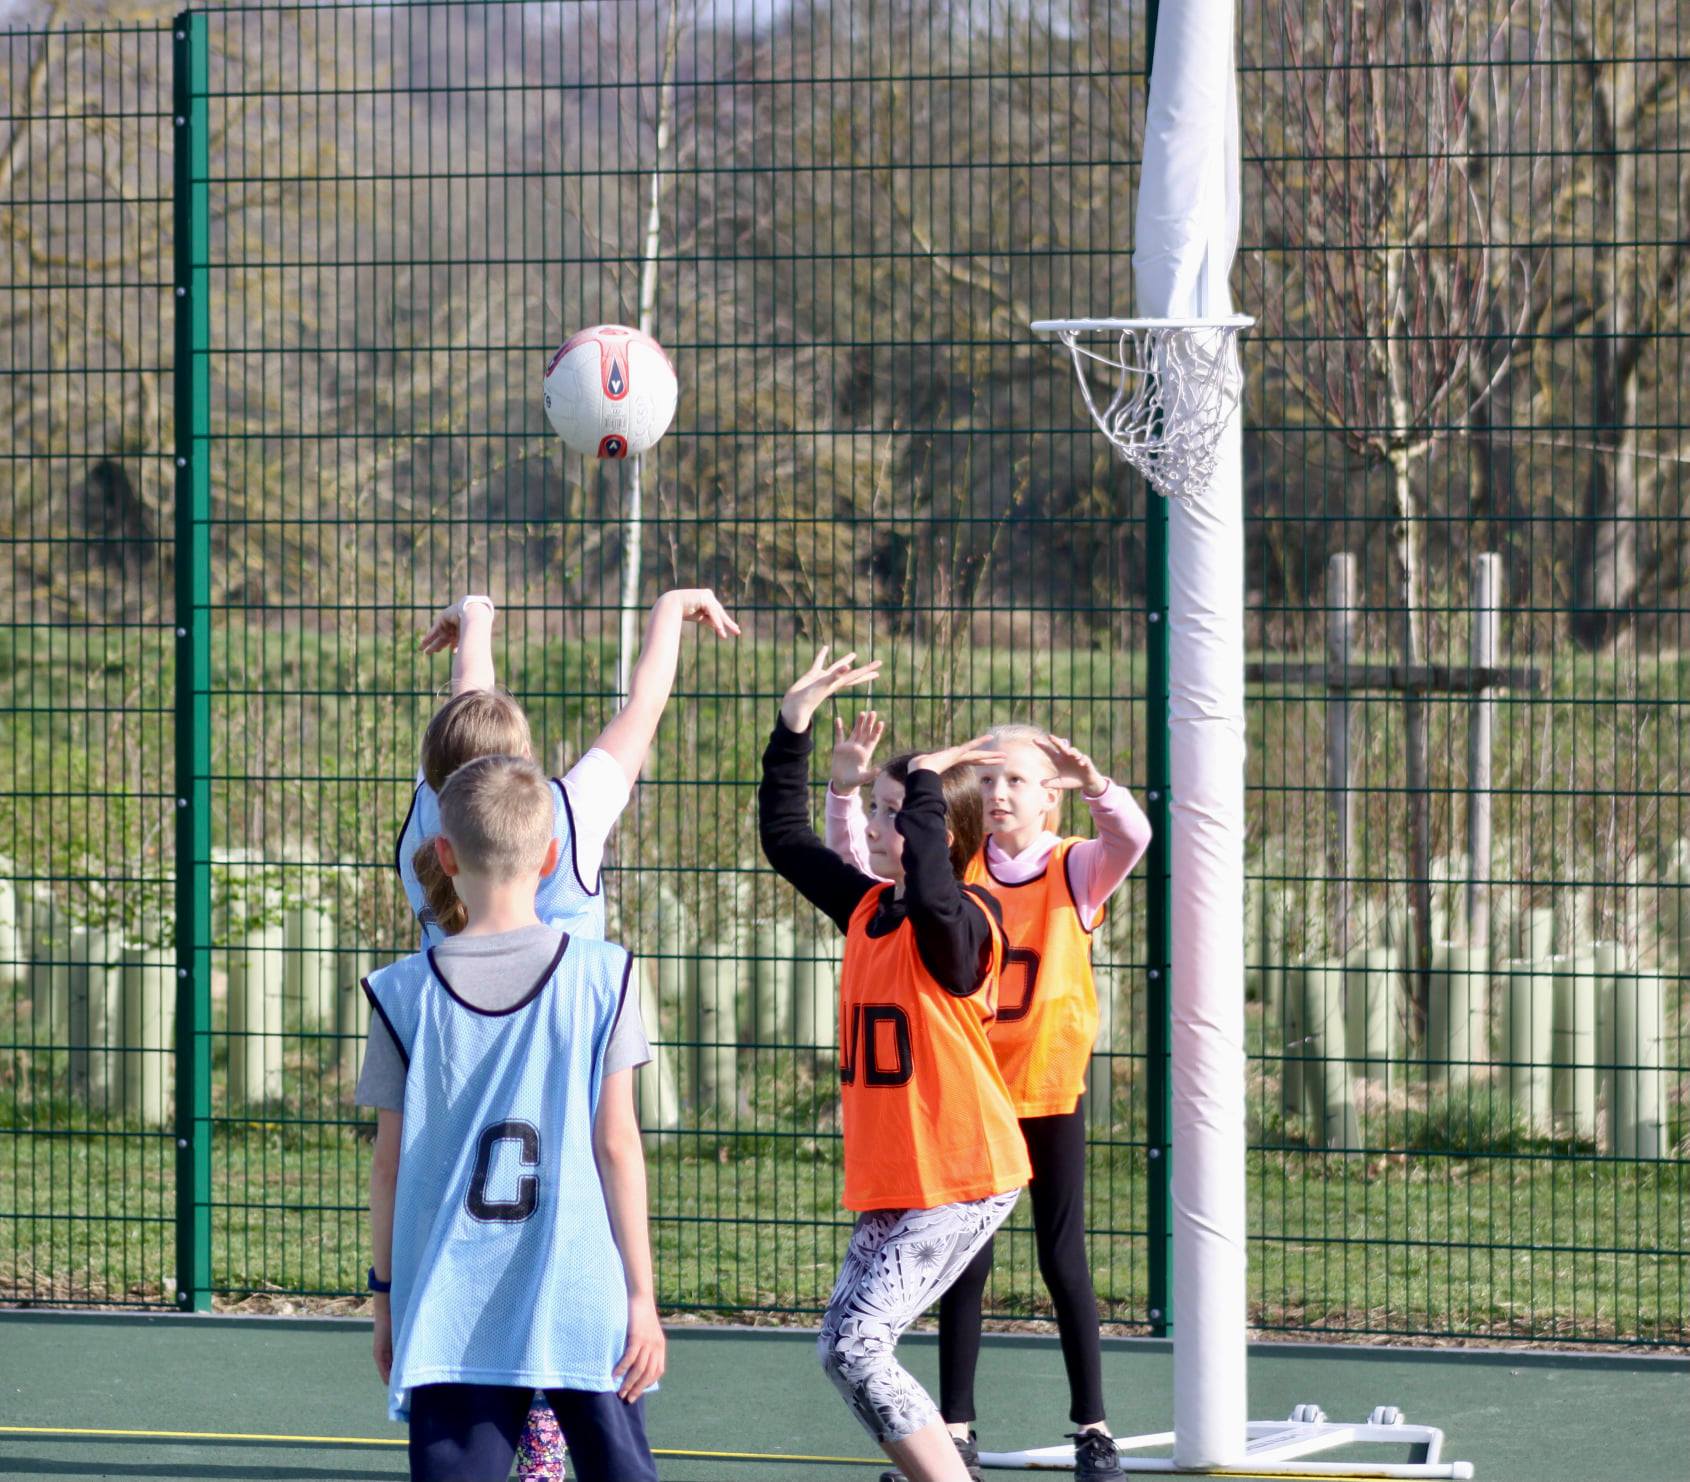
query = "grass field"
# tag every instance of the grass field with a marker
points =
(1428, 1232)
(1491, 1248)
(1454, 1220)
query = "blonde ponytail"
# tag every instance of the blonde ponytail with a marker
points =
(439, 892)
(474, 724)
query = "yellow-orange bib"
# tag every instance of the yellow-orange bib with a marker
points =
(1046, 1022)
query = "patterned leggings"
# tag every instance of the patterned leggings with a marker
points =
(540, 1452)
(899, 1263)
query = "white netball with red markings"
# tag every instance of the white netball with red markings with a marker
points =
(610, 391)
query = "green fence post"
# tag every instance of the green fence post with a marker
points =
(1158, 936)
(1158, 1000)
(193, 668)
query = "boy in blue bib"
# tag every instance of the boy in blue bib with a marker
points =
(507, 1193)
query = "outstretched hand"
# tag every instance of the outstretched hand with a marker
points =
(447, 629)
(980, 752)
(853, 752)
(700, 605)
(820, 681)
(1073, 767)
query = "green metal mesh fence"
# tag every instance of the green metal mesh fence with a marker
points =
(1462, 237)
(382, 219)
(86, 802)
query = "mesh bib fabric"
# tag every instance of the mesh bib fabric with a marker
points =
(505, 1270)
(562, 901)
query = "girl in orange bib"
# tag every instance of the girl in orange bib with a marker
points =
(934, 1156)
(1052, 892)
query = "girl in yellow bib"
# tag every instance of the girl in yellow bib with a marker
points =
(1052, 892)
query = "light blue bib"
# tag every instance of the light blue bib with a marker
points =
(505, 1270)
(562, 901)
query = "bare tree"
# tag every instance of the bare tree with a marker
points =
(86, 407)
(91, 287)
(1639, 229)
(1383, 271)
(938, 257)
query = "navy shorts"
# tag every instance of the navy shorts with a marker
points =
(468, 1433)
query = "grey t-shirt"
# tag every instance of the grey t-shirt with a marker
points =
(493, 973)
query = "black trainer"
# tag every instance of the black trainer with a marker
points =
(1095, 1457)
(967, 1450)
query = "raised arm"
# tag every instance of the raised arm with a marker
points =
(628, 736)
(790, 843)
(853, 753)
(846, 828)
(466, 627)
(951, 932)
(783, 799)
(1097, 868)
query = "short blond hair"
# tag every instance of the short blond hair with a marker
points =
(1018, 734)
(497, 814)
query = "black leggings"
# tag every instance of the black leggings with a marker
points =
(1056, 1147)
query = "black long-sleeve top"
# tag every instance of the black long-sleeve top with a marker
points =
(952, 936)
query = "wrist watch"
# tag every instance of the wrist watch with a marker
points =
(478, 597)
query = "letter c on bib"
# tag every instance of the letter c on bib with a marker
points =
(507, 1211)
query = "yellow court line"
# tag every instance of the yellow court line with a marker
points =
(134, 1435)
(841, 1461)
(72, 1430)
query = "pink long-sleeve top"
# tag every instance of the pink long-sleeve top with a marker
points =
(1096, 867)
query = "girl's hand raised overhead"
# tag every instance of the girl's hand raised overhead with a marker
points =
(699, 605)
(853, 753)
(447, 629)
(818, 682)
(976, 753)
(1073, 767)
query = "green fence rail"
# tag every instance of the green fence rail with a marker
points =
(366, 226)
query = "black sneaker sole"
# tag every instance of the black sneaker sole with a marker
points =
(1093, 1474)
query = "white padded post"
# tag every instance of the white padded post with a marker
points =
(1186, 230)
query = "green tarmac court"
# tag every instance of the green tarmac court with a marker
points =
(190, 1398)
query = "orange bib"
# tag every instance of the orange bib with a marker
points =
(927, 1118)
(1046, 1023)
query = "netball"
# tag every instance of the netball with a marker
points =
(610, 391)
